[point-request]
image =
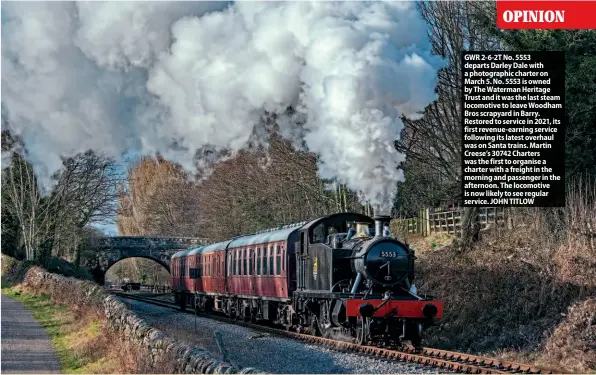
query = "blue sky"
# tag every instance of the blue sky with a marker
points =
(107, 229)
(111, 229)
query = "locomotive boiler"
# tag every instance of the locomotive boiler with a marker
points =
(342, 275)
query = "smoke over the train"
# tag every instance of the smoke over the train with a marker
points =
(177, 77)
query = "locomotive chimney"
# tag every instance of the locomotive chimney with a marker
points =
(380, 223)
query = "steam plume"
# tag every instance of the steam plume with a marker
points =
(176, 77)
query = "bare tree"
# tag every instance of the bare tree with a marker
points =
(435, 139)
(84, 191)
(256, 189)
(23, 200)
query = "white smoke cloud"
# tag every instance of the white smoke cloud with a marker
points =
(147, 76)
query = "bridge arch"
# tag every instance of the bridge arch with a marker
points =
(165, 265)
(144, 270)
(159, 249)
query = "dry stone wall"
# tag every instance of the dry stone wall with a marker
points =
(79, 294)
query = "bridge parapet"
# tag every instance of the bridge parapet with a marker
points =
(140, 242)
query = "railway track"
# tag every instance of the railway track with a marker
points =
(437, 358)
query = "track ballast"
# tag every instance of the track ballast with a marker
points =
(436, 358)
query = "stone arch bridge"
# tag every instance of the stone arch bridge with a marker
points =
(111, 250)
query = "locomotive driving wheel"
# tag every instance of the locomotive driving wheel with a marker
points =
(362, 330)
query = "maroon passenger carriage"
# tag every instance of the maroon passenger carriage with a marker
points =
(328, 276)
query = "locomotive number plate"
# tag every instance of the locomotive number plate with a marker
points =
(388, 254)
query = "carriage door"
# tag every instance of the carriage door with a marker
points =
(301, 250)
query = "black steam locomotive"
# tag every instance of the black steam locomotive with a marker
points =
(359, 282)
(342, 275)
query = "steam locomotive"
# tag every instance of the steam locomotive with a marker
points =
(337, 276)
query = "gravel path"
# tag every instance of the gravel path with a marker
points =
(26, 346)
(249, 348)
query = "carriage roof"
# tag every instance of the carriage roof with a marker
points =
(271, 235)
(266, 236)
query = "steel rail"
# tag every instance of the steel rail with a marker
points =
(437, 358)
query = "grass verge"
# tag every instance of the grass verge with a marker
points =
(80, 342)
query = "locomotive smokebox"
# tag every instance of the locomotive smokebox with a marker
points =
(380, 223)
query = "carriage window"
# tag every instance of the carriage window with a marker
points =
(245, 252)
(238, 262)
(245, 263)
(278, 258)
(271, 255)
(265, 271)
(258, 261)
(209, 265)
(230, 263)
(250, 255)
(242, 260)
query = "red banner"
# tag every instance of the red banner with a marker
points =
(546, 14)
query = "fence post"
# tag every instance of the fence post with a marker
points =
(427, 221)
(460, 211)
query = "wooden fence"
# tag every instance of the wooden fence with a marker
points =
(430, 221)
